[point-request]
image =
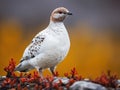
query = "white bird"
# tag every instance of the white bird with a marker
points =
(49, 47)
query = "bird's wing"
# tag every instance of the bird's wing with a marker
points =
(34, 48)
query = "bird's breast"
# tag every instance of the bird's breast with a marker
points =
(53, 50)
(62, 46)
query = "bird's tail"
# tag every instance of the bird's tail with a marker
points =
(23, 67)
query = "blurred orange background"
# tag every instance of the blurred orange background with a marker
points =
(94, 49)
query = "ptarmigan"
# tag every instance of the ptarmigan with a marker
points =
(49, 47)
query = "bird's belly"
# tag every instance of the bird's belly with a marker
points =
(50, 58)
(51, 54)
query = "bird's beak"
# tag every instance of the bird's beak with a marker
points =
(69, 13)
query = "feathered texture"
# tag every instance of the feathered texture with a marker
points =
(48, 47)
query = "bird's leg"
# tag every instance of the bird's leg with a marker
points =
(52, 69)
(40, 71)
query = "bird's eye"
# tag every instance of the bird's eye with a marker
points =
(60, 12)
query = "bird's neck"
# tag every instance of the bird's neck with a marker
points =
(56, 25)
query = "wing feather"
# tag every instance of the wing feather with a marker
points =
(33, 49)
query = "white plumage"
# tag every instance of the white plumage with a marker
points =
(49, 47)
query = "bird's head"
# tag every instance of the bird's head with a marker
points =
(59, 14)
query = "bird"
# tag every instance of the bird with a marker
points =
(49, 47)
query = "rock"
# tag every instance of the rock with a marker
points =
(118, 82)
(63, 79)
(118, 85)
(87, 79)
(3, 77)
(83, 85)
